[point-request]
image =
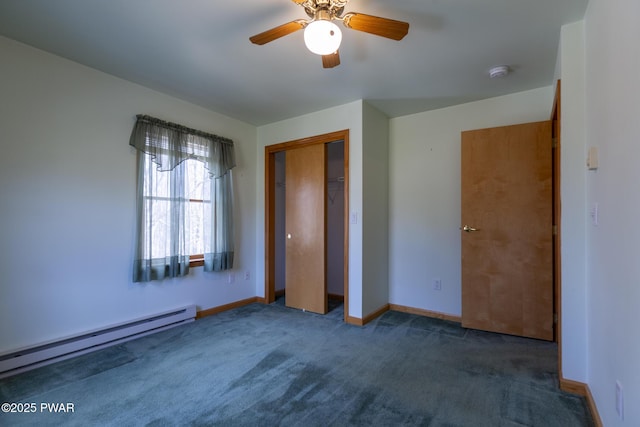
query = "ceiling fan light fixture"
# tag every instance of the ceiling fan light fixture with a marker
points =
(322, 37)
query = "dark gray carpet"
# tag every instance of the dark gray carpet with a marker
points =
(267, 365)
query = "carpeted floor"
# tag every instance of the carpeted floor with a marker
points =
(267, 365)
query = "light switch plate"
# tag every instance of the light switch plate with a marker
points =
(354, 217)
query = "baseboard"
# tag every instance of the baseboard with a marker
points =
(582, 389)
(379, 312)
(219, 309)
(368, 318)
(336, 297)
(354, 321)
(425, 313)
(404, 309)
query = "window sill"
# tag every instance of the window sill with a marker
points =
(196, 261)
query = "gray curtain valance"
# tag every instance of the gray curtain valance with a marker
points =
(169, 144)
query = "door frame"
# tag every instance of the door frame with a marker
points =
(269, 207)
(556, 207)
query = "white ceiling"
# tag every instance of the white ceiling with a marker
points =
(199, 50)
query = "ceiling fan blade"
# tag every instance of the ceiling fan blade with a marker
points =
(331, 60)
(277, 32)
(383, 27)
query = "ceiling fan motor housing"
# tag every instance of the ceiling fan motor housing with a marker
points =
(324, 9)
(323, 15)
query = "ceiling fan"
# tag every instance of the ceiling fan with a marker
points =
(322, 36)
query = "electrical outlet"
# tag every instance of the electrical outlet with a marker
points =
(619, 400)
(231, 278)
(437, 284)
(247, 275)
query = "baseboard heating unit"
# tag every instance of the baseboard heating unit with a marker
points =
(25, 359)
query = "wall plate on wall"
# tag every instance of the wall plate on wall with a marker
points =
(592, 158)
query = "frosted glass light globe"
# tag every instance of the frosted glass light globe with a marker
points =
(322, 37)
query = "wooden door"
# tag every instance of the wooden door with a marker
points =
(507, 270)
(305, 227)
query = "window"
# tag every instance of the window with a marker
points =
(184, 208)
(196, 186)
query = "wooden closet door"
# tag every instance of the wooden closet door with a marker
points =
(305, 227)
(507, 270)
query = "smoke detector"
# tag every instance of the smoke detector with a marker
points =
(499, 71)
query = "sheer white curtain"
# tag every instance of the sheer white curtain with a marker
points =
(177, 165)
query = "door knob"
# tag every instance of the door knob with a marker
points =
(288, 235)
(468, 229)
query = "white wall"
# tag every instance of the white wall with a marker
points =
(570, 70)
(67, 205)
(375, 147)
(612, 32)
(424, 196)
(348, 116)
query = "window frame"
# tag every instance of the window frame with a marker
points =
(196, 260)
